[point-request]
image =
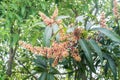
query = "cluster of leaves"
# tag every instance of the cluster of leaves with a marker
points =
(93, 55)
(17, 18)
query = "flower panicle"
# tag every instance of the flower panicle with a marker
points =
(57, 51)
(49, 21)
(115, 9)
(55, 62)
(75, 54)
(33, 49)
(77, 33)
(102, 20)
(43, 16)
(55, 13)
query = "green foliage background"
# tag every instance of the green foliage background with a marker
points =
(19, 20)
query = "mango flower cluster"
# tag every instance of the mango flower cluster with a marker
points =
(58, 50)
(102, 20)
(49, 21)
(115, 9)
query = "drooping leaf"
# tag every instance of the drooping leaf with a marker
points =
(110, 34)
(40, 62)
(97, 49)
(117, 54)
(88, 25)
(43, 76)
(111, 65)
(50, 77)
(106, 68)
(39, 23)
(47, 35)
(80, 19)
(55, 28)
(87, 52)
(39, 69)
(53, 71)
(86, 49)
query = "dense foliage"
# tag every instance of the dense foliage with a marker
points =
(59, 40)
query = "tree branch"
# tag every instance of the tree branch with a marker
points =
(26, 69)
(10, 62)
(75, 11)
(11, 52)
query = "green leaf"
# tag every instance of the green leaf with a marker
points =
(97, 49)
(86, 49)
(106, 68)
(80, 19)
(14, 39)
(62, 17)
(117, 54)
(41, 24)
(41, 62)
(39, 69)
(88, 25)
(47, 35)
(50, 77)
(55, 30)
(112, 35)
(34, 38)
(87, 52)
(111, 65)
(43, 76)
(53, 71)
(23, 10)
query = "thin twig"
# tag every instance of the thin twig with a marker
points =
(26, 69)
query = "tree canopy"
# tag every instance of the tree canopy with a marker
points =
(59, 40)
